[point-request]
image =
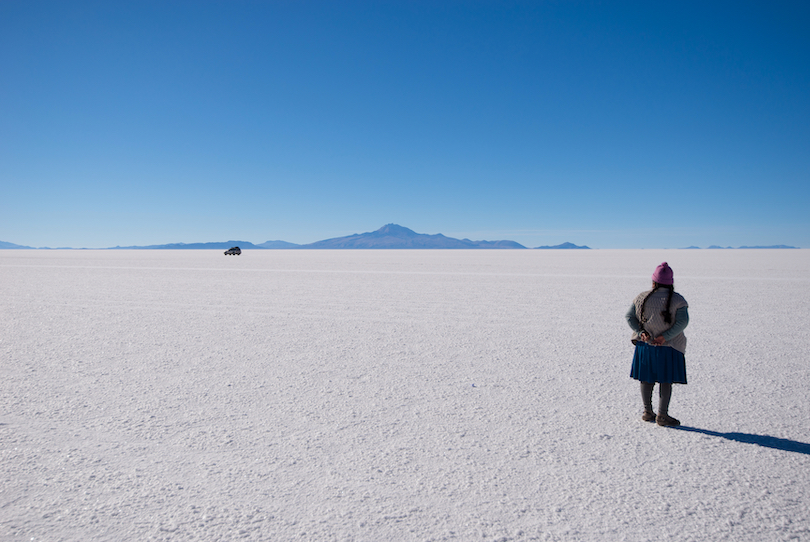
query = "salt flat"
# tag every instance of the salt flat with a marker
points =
(396, 395)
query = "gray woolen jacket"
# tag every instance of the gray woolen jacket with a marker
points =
(653, 320)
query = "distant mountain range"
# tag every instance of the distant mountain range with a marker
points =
(564, 245)
(769, 246)
(393, 236)
(743, 247)
(3, 244)
(224, 245)
(390, 236)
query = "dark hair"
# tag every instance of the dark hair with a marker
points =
(665, 313)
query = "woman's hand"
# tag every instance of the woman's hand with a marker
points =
(658, 341)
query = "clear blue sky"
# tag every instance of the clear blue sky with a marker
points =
(612, 124)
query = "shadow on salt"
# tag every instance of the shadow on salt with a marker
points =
(767, 441)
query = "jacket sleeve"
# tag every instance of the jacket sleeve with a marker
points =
(681, 321)
(632, 319)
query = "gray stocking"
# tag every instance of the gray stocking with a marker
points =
(664, 395)
(646, 395)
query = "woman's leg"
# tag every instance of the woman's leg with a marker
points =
(664, 396)
(646, 397)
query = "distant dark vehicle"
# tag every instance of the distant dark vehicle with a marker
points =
(233, 251)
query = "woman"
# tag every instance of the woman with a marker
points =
(658, 318)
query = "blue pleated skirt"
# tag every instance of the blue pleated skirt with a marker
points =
(658, 364)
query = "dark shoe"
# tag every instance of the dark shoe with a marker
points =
(666, 421)
(648, 416)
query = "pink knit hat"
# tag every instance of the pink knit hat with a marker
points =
(663, 274)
